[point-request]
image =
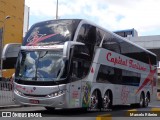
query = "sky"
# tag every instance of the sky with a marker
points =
(113, 15)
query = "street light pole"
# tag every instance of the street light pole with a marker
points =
(57, 10)
(2, 42)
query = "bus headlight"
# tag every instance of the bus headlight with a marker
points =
(18, 92)
(56, 93)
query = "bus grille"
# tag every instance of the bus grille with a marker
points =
(35, 95)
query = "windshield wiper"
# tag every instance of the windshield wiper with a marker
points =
(43, 55)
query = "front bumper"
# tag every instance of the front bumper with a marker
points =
(57, 101)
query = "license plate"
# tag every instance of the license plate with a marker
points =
(34, 101)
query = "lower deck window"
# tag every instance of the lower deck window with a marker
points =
(114, 75)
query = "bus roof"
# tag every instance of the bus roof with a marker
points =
(122, 38)
(89, 22)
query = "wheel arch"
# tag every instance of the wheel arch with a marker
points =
(99, 93)
(143, 93)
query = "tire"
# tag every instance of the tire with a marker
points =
(142, 101)
(107, 100)
(146, 101)
(50, 109)
(94, 100)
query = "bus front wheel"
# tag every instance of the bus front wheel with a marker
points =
(94, 100)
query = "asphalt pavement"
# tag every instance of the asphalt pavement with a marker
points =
(79, 114)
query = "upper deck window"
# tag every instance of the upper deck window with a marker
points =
(51, 32)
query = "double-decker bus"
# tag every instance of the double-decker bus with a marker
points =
(73, 63)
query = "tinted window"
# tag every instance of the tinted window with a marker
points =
(79, 68)
(113, 75)
(80, 62)
(99, 36)
(87, 34)
(105, 74)
(82, 52)
(134, 52)
(130, 78)
(109, 75)
(111, 43)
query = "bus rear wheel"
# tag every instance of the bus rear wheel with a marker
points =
(142, 101)
(107, 100)
(146, 101)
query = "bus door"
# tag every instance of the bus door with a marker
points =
(80, 64)
(75, 84)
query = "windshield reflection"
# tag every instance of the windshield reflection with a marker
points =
(50, 32)
(41, 65)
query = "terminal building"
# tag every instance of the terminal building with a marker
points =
(12, 24)
(127, 33)
(158, 91)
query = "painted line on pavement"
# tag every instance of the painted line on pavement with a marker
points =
(129, 112)
(155, 109)
(132, 110)
(104, 117)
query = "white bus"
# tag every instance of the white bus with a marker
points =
(76, 64)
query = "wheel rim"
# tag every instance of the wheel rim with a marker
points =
(106, 102)
(146, 101)
(94, 102)
(141, 101)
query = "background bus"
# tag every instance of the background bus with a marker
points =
(158, 85)
(75, 63)
(9, 58)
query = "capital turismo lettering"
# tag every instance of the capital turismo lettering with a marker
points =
(136, 65)
(116, 60)
(125, 62)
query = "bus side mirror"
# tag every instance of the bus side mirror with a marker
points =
(68, 45)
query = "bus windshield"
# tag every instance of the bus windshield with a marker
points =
(50, 33)
(41, 66)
